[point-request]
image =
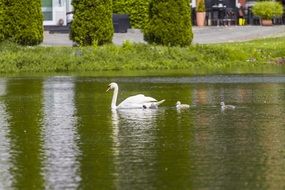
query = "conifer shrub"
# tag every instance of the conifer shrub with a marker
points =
(136, 9)
(23, 21)
(169, 23)
(1, 21)
(92, 22)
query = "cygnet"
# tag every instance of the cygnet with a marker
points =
(182, 106)
(224, 106)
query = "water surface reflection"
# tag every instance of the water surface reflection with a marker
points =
(134, 137)
(60, 132)
(5, 156)
(23, 106)
(61, 167)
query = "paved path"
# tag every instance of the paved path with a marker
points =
(202, 35)
(206, 35)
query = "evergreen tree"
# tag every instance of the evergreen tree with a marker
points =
(92, 22)
(169, 23)
(1, 21)
(23, 21)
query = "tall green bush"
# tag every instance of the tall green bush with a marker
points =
(1, 21)
(23, 21)
(92, 22)
(169, 23)
(136, 9)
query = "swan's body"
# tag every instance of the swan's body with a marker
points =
(133, 102)
(224, 107)
(181, 106)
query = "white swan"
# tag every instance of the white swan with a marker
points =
(224, 106)
(132, 102)
(181, 106)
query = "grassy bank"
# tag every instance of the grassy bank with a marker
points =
(216, 58)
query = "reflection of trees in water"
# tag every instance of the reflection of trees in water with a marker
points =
(95, 134)
(174, 163)
(134, 138)
(23, 103)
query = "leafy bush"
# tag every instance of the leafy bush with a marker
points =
(1, 21)
(136, 9)
(23, 21)
(267, 9)
(169, 23)
(92, 23)
(201, 6)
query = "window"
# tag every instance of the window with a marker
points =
(47, 9)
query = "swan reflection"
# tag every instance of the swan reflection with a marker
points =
(132, 123)
(140, 116)
(134, 138)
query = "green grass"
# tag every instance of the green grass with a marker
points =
(244, 57)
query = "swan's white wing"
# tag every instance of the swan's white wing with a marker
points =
(136, 101)
(139, 99)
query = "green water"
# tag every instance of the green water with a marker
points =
(59, 133)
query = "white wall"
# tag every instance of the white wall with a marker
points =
(193, 3)
(60, 11)
(60, 7)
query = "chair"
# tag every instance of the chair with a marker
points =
(277, 20)
(230, 17)
(217, 16)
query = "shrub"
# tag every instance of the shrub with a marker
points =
(201, 6)
(169, 23)
(92, 23)
(136, 9)
(267, 9)
(23, 21)
(1, 21)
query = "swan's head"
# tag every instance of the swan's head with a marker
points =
(222, 103)
(112, 86)
(178, 103)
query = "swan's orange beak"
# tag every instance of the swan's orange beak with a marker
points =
(109, 87)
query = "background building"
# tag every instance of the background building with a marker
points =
(55, 12)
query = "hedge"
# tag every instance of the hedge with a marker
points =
(136, 9)
(169, 23)
(23, 21)
(92, 22)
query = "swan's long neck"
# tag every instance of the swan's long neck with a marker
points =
(114, 99)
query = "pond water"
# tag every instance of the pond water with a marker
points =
(59, 133)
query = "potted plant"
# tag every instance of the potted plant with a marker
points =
(200, 13)
(267, 10)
